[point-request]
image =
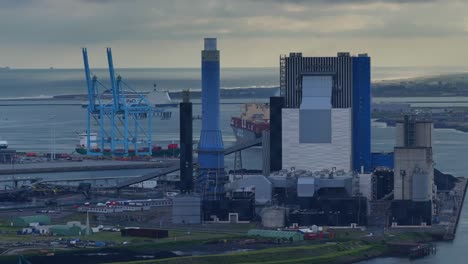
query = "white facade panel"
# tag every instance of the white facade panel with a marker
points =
(316, 92)
(317, 86)
(317, 156)
(365, 185)
(408, 162)
(316, 102)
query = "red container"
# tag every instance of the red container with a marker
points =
(310, 236)
(172, 146)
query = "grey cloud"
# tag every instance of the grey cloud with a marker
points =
(77, 23)
(151, 20)
(350, 1)
(100, 1)
(18, 3)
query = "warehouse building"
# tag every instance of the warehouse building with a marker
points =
(279, 236)
(25, 221)
(67, 230)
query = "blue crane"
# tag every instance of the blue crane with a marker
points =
(115, 89)
(91, 90)
(93, 109)
(120, 119)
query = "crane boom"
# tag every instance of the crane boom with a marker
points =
(115, 92)
(91, 91)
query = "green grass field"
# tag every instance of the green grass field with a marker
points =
(8, 233)
(318, 253)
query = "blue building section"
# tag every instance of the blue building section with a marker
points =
(211, 175)
(362, 113)
(211, 141)
(382, 160)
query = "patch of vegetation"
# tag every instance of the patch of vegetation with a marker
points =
(438, 85)
(318, 253)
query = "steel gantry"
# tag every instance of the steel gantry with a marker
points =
(123, 116)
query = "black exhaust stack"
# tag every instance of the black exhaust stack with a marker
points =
(186, 144)
(276, 147)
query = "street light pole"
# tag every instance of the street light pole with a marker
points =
(52, 138)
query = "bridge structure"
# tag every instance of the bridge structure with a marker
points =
(233, 149)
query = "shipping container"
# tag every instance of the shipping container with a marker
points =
(145, 232)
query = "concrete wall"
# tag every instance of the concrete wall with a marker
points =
(186, 209)
(422, 188)
(315, 109)
(365, 185)
(317, 156)
(409, 161)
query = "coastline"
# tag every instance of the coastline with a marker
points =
(390, 122)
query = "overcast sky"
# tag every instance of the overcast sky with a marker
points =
(251, 33)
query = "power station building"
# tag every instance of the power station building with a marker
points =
(326, 113)
(413, 173)
(414, 165)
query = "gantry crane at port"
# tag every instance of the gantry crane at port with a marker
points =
(123, 116)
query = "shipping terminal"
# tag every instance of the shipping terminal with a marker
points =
(320, 180)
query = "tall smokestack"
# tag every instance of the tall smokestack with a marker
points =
(211, 176)
(186, 144)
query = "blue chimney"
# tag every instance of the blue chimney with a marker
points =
(211, 175)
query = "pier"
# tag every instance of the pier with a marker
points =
(412, 250)
(85, 165)
(459, 193)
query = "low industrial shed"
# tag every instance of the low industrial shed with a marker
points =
(277, 235)
(25, 221)
(65, 230)
(145, 232)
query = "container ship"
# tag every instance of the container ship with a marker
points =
(172, 149)
(254, 119)
(157, 98)
(3, 144)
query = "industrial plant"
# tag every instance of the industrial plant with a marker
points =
(313, 142)
(318, 167)
(317, 163)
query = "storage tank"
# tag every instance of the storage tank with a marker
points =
(273, 217)
(423, 136)
(413, 133)
(400, 134)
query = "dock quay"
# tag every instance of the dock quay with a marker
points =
(459, 193)
(85, 165)
(412, 250)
